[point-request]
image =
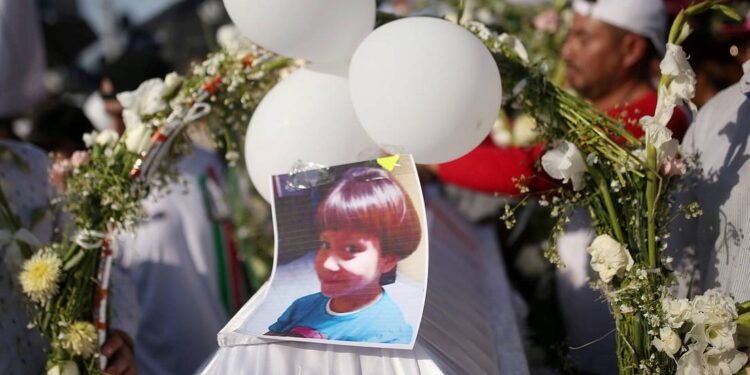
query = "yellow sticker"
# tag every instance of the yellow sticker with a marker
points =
(388, 162)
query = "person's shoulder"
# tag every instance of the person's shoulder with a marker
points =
(310, 299)
(388, 308)
(396, 330)
(723, 108)
(729, 99)
(34, 156)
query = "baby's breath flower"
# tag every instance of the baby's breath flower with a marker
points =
(232, 156)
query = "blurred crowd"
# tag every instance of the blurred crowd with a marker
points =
(60, 72)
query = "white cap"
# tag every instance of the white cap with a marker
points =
(647, 18)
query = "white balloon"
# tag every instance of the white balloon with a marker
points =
(425, 86)
(316, 30)
(309, 117)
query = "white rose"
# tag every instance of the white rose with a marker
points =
(713, 307)
(677, 311)
(667, 342)
(138, 139)
(609, 258)
(107, 138)
(564, 162)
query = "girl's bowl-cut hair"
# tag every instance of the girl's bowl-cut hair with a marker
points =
(369, 200)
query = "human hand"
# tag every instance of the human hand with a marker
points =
(120, 354)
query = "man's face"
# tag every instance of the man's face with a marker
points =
(593, 57)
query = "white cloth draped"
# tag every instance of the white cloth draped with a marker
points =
(469, 324)
(170, 303)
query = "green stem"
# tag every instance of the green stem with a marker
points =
(651, 203)
(461, 7)
(601, 184)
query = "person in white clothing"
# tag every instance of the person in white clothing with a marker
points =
(175, 310)
(720, 237)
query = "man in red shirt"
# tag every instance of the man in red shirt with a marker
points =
(609, 54)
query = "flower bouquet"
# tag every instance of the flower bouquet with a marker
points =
(626, 186)
(102, 189)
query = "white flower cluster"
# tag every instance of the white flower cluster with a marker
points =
(708, 324)
(147, 100)
(231, 39)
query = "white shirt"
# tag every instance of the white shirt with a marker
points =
(720, 237)
(174, 312)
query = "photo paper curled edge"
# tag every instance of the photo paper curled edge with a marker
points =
(262, 339)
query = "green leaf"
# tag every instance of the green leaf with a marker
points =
(728, 11)
(37, 215)
(743, 330)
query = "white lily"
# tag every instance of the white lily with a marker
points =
(146, 100)
(682, 85)
(138, 138)
(564, 162)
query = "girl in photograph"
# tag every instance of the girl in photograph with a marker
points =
(367, 224)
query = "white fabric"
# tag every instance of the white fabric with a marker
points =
(586, 315)
(720, 238)
(647, 18)
(174, 310)
(96, 112)
(21, 348)
(469, 325)
(21, 57)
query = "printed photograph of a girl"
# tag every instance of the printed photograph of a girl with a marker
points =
(364, 225)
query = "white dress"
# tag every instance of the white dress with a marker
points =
(172, 309)
(469, 324)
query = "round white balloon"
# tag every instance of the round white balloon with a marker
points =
(307, 117)
(316, 30)
(425, 86)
